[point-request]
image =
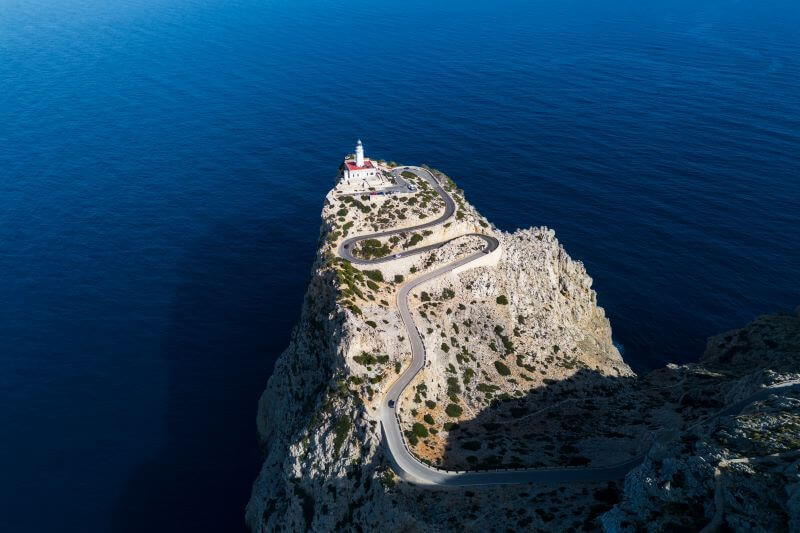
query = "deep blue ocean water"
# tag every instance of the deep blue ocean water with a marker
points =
(163, 164)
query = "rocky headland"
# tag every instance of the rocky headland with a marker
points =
(520, 373)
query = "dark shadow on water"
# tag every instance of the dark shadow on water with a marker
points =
(239, 295)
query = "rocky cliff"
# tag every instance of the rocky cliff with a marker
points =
(521, 372)
(739, 471)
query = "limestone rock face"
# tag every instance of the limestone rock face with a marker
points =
(520, 370)
(739, 471)
(324, 467)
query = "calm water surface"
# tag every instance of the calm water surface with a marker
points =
(163, 164)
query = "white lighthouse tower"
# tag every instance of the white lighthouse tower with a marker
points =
(360, 173)
(359, 154)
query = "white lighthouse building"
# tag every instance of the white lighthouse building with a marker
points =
(359, 154)
(360, 172)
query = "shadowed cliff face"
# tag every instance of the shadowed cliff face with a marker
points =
(737, 472)
(660, 404)
(225, 331)
(550, 426)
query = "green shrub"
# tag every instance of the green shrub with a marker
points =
(387, 479)
(371, 323)
(453, 386)
(450, 426)
(419, 430)
(428, 418)
(372, 285)
(502, 300)
(453, 410)
(341, 212)
(430, 404)
(468, 375)
(398, 278)
(445, 347)
(425, 297)
(373, 248)
(368, 359)
(374, 275)
(415, 239)
(341, 430)
(485, 387)
(501, 368)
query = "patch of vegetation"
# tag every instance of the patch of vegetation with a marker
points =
(415, 239)
(371, 323)
(502, 369)
(468, 375)
(374, 275)
(502, 300)
(373, 248)
(419, 430)
(387, 479)
(398, 278)
(452, 386)
(428, 418)
(361, 207)
(341, 431)
(453, 410)
(368, 359)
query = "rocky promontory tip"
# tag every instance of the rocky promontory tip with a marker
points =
(436, 351)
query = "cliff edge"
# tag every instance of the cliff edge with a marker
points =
(519, 374)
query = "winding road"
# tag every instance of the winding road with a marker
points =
(403, 461)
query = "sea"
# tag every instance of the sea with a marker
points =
(163, 164)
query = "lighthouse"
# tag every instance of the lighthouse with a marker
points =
(360, 172)
(359, 154)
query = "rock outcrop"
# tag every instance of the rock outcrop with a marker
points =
(740, 470)
(521, 371)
